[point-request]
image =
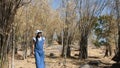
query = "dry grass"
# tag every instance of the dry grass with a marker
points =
(58, 62)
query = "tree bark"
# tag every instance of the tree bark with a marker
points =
(63, 50)
(119, 41)
(66, 45)
(4, 55)
(68, 54)
(1, 43)
(117, 56)
(68, 51)
(13, 48)
(83, 54)
(108, 51)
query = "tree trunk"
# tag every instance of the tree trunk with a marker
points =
(16, 49)
(13, 47)
(83, 54)
(68, 51)
(63, 50)
(117, 56)
(25, 48)
(68, 54)
(13, 54)
(4, 55)
(66, 45)
(108, 51)
(1, 43)
(119, 41)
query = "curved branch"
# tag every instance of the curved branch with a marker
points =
(24, 3)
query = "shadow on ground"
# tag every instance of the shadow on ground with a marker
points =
(90, 62)
(116, 65)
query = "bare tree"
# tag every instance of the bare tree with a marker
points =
(7, 14)
(88, 11)
(68, 16)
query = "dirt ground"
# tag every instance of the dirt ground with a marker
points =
(58, 62)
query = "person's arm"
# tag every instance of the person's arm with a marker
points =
(33, 46)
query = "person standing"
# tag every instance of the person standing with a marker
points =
(38, 49)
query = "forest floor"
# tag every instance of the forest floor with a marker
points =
(95, 54)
